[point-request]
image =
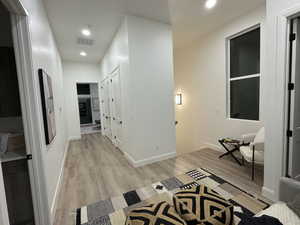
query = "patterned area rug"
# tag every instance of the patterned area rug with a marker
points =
(114, 211)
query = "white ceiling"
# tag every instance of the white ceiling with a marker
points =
(189, 20)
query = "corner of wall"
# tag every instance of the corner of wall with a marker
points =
(268, 193)
(74, 138)
(144, 162)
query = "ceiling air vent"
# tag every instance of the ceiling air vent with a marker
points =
(85, 41)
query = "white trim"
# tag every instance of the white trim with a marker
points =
(282, 68)
(104, 79)
(244, 31)
(59, 183)
(29, 98)
(15, 7)
(143, 162)
(269, 194)
(281, 77)
(74, 138)
(245, 77)
(244, 120)
(115, 70)
(215, 147)
(93, 82)
(291, 12)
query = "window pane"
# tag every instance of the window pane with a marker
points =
(245, 54)
(244, 99)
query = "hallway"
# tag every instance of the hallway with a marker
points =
(95, 170)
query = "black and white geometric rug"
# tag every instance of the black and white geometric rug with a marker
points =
(113, 211)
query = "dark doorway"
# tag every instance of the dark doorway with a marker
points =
(85, 111)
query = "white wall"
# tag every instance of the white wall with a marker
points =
(46, 56)
(144, 51)
(152, 76)
(200, 75)
(274, 92)
(75, 72)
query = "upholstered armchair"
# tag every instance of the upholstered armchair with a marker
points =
(253, 149)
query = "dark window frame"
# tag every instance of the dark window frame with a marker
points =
(242, 77)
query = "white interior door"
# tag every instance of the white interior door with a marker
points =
(294, 153)
(32, 182)
(116, 108)
(103, 108)
(109, 110)
(106, 109)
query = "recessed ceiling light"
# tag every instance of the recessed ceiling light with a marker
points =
(83, 53)
(210, 4)
(86, 32)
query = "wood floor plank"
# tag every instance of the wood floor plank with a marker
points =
(95, 170)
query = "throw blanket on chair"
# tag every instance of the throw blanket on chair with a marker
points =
(262, 220)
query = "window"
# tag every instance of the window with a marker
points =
(244, 75)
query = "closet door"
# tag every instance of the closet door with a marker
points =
(106, 108)
(116, 108)
(294, 141)
(103, 108)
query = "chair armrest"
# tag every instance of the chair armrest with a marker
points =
(247, 138)
(288, 189)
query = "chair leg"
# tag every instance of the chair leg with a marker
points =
(252, 171)
(253, 162)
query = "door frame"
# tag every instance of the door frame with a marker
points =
(91, 98)
(29, 97)
(291, 93)
(282, 73)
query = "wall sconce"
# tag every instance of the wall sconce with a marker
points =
(178, 99)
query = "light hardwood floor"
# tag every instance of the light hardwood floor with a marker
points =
(95, 170)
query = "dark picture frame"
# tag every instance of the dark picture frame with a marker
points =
(47, 100)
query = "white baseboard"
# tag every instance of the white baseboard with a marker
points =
(203, 145)
(74, 138)
(143, 162)
(268, 193)
(59, 183)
